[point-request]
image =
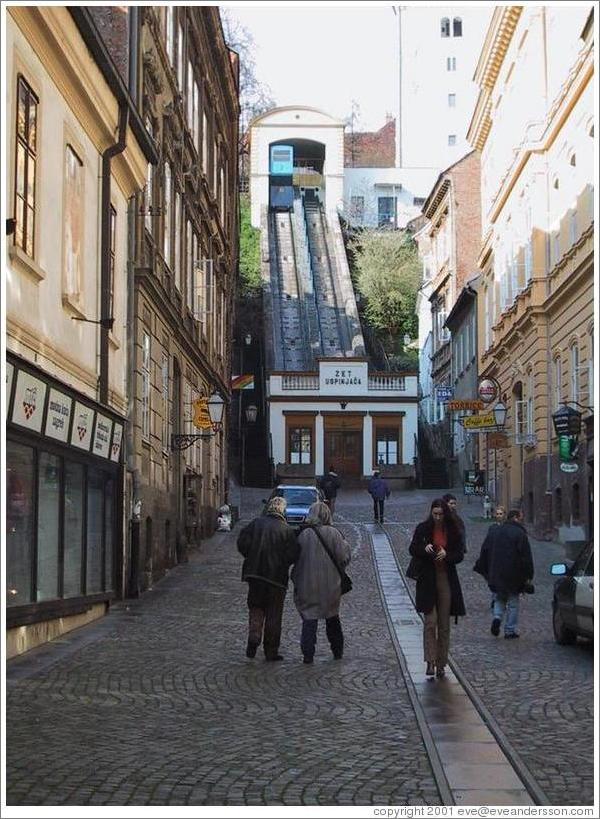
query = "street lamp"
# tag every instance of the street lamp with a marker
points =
(251, 413)
(567, 421)
(500, 414)
(215, 408)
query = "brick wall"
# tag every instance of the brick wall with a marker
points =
(466, 179)
(371, 149)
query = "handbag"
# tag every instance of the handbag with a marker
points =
(414, 568)
(346, 584)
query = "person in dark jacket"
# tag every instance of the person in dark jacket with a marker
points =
(453, 506)
(379, 491)
(269, 547)
(507, 565)
(437, 546)
(492, 532)
(329, 485)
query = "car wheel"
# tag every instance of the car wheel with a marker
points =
(563, 635)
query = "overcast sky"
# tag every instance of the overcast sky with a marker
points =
(326, 56)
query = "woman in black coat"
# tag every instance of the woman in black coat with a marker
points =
(436, 547)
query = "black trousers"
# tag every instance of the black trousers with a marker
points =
(378, 508)
(333, 629)
(265, 610)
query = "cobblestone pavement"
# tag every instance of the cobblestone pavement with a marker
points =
(540, 693)
(157, 704)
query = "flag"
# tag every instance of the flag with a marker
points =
(242, 382)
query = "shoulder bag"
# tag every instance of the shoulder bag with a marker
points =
(346, 581)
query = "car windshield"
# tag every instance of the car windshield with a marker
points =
(299, 497)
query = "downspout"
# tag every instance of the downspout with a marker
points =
(106, 320)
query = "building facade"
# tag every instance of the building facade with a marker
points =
(77, 152)
(534, 126)
(186, 239)
(448, 245)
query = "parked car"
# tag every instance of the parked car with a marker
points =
(299, 499)
(573, 599)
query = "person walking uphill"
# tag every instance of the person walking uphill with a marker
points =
(507, 565)
(436, 547)
(329, 485)
(317, 583)
(269, 547)
(379, 491)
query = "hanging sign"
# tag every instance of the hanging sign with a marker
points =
(566, 444)
(83, 421)
(28, 408)
(474, 482)
(487, 390)
(498, 440)
(569, 467)
(444, 393)
(468, 404)
(242, 382)
(102, 436)
(115, 450)
(201, 414)
(479, 421)
(59, 415)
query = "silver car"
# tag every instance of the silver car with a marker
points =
(573, 599)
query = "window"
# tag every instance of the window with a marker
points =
(167, 215)
(177, 241)
(529, 405)
(450, 63)
(189, 92)
(48, 526)
(196, 115)
(170, 33)
(20, 519)
(445, 27)
(189, 264)
(73, 528)
(452, 100)
(73, 222)
(146, 385)
(591, 367)
(451, 139)
(557, 382)
(204, 142)
(165, 400)
(111, 270)
(299, 443)
(357, 207)
(573, 226)
(418, 201)
(25, 165)
(457, 27)
(149, 186)
(573, 160)
(556, 246)
(386, 211)
(180, 57)
(575, 372)
(95, 528)
(386, 446)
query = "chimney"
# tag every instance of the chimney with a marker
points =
(388, 118)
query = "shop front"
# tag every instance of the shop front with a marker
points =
(64, 491)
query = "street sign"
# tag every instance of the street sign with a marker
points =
(569, 466)
(479, 421)
(444, 393)
(474, 482)
(498, 440)
(468, 404)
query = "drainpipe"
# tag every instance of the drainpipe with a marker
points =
(106, 320)
(134, 511)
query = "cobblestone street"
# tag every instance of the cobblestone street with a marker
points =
(157, 704)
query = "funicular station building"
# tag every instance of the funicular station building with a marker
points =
(325, 405)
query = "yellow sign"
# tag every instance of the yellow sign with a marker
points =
(479, 421)
(201, 414)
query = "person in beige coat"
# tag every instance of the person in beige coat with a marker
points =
(317, 584)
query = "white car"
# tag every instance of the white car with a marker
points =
(573, 600)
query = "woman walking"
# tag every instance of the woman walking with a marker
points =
(437, 546)
(317, 583)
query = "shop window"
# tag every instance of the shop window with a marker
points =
(109, 494)
(19, 522)
(26, 148)
(73, 528)
(386, 446)
(300, 445)
(48, 526)
(95, 519)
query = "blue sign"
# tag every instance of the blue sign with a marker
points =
(444, 394)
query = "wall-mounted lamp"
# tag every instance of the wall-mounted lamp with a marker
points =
(251, 413)
(343, 404)
(248, 339)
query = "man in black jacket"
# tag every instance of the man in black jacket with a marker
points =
(269, 548)
(507, 564)
(329, 485)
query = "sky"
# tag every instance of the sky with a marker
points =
(326, 56)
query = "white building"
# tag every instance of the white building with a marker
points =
(439, 48)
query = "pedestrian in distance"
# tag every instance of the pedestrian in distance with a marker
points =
(492, 532)
(437, 547)
(269, 547)
(506, 563)
(487, 507)
(453, 506)
(317, 582)
(329, 486)
(379, 490)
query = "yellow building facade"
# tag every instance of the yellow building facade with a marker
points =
(534, 126)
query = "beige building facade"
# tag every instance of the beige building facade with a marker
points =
(70, 128)
(534, 126)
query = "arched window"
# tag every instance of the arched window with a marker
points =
(457, 27)
(445, 27)
(557, 382)
(575, 372)
(573, 159)
(556, 183)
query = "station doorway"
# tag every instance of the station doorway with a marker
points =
(344, 445)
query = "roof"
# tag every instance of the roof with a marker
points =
(442, 183)
(465, 298)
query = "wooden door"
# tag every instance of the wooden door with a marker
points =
(343, 451)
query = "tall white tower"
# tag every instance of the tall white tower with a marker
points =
(438, 50)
